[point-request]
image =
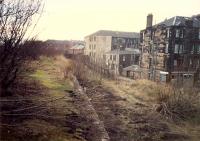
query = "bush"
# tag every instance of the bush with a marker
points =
(178, 104)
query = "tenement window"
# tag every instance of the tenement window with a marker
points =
(199, 33)
(112, 66)
(114, 57)
(198, 49)
(180, 49)
(110, 57)
(177, 33)
(166, 48)
(181, 33)
(168, 33)
(176, 48)
(124, 58)
(175, 62)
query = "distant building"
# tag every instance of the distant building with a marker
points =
(172, 46)
(118, 59)
(103, 44)
(76, 49)
(61, 45)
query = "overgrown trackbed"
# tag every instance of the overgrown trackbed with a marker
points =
(126, 118)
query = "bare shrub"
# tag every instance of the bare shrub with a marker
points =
(33, 49)
(178, 104)
(16, 19)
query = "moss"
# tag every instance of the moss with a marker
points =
(50, 82)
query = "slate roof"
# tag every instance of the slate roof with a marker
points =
(180, 21)
(78, 46)
(116, 34)
(126, 51)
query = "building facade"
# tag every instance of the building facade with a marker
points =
(117, 60)
(102, 44)
(172, 46)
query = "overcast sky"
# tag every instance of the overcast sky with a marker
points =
(74, 19)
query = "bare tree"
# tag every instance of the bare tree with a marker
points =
(16, 19)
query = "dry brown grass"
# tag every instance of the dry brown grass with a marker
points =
(178, 104)
(51, 103)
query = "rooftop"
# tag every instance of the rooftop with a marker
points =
(116, 34)
(180, 21)
(134, 68)
(78, 46)
(126, 51)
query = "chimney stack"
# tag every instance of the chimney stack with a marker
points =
(149, 20)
